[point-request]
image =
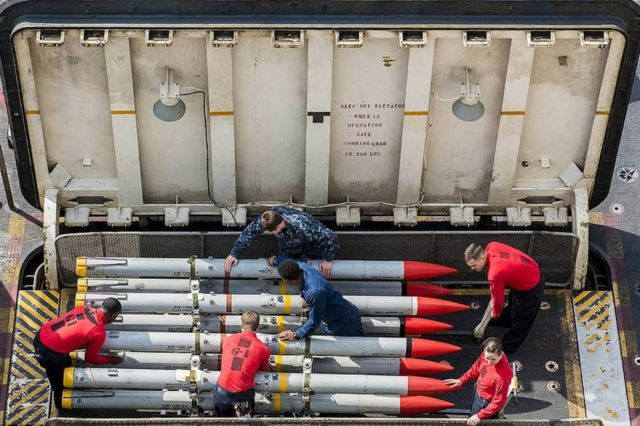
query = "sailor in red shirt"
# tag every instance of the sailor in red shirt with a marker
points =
(82, 327)
(494, 377)
(510, 268)
(243, 355)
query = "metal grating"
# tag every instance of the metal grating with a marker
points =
(438, 247)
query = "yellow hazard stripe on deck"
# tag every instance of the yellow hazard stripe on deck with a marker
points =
(28, 394)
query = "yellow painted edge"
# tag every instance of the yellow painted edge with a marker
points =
(123, 112)
(511, 112)
(82, 285)
(80, 300)
(67, 397)
(572, 373)
(284, 382)
(81, 266)
(216, 113)
(33, 112)
(280, 322)
(602, 112)
(277, 403)
(287, 303)
(68, 377)
(416, 113)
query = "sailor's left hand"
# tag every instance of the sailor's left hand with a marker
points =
(473, 420)
(325, 268)
(287, 335)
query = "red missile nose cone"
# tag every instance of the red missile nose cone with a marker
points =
(422, 367)
(423, 270)
(431, 306)
(422, 348)
(414, 405)
(421, 288)
(414, 326)
(426, 386)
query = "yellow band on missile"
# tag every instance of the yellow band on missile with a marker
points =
(82, 285)
(284, 382)
(282, 346)
(280, 323)
(67, 399)
(81, 266)
(283, 287)
(277, 403)
(80, 299)
(74, 358)
(68, 377)
(287, 303)
(278, 363)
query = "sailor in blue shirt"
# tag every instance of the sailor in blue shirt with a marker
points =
(298, 233)
(328, 310)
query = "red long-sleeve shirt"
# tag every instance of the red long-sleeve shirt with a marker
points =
(80, 327)
(243, 355)
(493, 383)
(509, 268)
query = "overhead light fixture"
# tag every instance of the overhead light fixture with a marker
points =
(468, 107)
(169, 107)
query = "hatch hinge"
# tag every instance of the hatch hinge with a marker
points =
(555, 216)
(119, 216)
(405, 216)
(234, 216)
(348, 216)
(176, 216)
(461, 216)
(518, 216)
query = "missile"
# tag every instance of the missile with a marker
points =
(266, 403)
(265, 303)
(270, 324)
(197, 342)
(202, 380)
(281, 363)
(251, 268)
(184, 285)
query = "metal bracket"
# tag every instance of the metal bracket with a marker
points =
(519, 216)
(555, 216)
(405, 216)
(50, 227)
(461, 216)
(119, 216)
(307, 364)
(76, 216)
(176, 216)
(348, 216)
(234, 216)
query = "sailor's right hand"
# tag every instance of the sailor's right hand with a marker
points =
(454, 383)
(117, 359)
(229, 263)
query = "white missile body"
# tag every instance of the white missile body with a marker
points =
(212, 342)
(201, 380)
(279, 363)
(238, 303)
(184, 285)
(248, 268)
(266, 403)
(314, 345)
(269, 324)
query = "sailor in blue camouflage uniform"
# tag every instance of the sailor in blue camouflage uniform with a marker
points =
(298, 233)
